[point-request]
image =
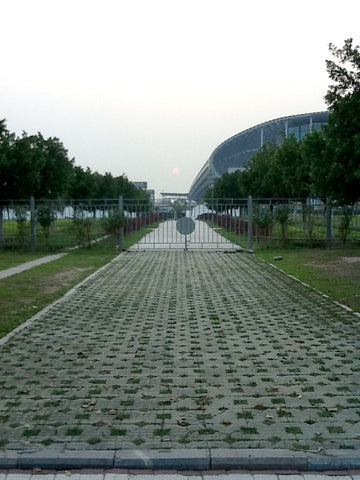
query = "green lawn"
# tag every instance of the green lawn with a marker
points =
(334, 272)
(12, 259)
(24, 294)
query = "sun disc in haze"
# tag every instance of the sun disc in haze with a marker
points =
(175, 171)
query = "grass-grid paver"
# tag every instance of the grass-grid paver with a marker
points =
(178, 349)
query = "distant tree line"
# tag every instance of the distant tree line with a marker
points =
(325, 163)
(31, 165)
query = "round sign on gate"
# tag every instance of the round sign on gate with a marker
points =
(185, 225)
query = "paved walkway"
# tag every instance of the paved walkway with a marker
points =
(33, 263)
(205, 359)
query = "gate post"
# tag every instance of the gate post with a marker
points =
(32, 223)
(250, 222)
(121, 231)
(329, 234)
(1, 226)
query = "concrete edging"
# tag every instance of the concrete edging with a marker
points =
(183, 459)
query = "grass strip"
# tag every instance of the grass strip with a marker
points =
(24, 294)
(333, 272)
(12, 259)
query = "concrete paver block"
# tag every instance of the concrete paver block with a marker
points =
(161, 350)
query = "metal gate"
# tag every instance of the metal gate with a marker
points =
(212, 230)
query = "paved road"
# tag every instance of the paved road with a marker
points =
(180, 349)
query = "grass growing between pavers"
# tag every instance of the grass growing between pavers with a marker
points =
(174, 350)
(335, 273)
(24, 294)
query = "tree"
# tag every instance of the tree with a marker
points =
(224, 188)
(32, 165)
(291, 169)
(315, 154)
(82, 184)
(56, 170)
(5, 141)
(342, 180)
(260, 179)
(345, 74)
(22, 167)
(336, 170)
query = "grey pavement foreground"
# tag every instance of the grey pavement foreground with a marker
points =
(188, 360)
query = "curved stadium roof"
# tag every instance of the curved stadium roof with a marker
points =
(236, 151)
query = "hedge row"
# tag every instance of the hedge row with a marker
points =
(135, 224)
(232, 224)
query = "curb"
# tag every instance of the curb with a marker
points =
(183, 459)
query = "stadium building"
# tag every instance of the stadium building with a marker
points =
(234, 153)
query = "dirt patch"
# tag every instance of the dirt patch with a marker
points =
(342, 267)
(64, 278)
(346, 268)
(351, 259)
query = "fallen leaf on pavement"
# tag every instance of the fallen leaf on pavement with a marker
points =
(182, 422)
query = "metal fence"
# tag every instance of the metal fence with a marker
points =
(48, 224)
(292, 222)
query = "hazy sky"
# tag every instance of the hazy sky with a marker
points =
(149, 88)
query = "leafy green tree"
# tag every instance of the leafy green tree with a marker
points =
(345, 73)
(106, 186)
(314, 152)
(24, 162)
(45, 216)
(260, 179)
(341, 181)
(56, 170)
(292, 173)
(82, 184)
(113, 223)
(32, 165)
(282, 215)
(5, 144)
(224, 188)
(345, 224)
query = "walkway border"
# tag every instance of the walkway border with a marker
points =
(183, 459)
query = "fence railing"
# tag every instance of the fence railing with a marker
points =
(285, 221)
(49, 224)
